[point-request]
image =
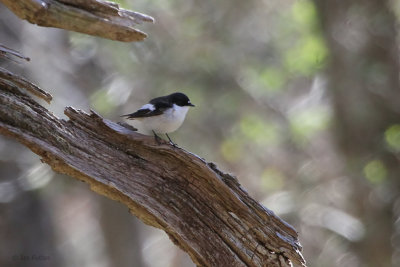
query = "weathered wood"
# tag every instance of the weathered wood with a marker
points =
(94, 17)
(203, 210)
(22, 83)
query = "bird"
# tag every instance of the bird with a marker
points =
(163, 115)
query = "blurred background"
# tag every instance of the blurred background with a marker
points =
(298, 98)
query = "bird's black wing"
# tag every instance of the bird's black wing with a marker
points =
(141, 113)
(160, 104)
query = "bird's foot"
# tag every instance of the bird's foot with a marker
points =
(173, 144)
(170, 141)
(157, 138)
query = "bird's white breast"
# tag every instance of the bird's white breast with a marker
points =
(167, 122)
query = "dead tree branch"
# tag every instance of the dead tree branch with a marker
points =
(94, 17)
(203, 210)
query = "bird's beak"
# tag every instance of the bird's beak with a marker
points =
(191, 105)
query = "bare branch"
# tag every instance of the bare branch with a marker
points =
(20, 82)
(94, 17)
(203, 210)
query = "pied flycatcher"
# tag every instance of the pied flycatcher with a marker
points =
(163, 115)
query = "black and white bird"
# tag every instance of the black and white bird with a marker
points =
(163, 115)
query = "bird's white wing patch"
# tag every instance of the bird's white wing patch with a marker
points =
(148, 106)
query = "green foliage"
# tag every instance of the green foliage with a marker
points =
(306, 123)
(272, 78)
(101, 102)
(392, 137)
(251, 131)
(306, 51)
(272, 179)
(258, 130)
(304, 15)
(307, 55)
(231, 149)
(375, 171)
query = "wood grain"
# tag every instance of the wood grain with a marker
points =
(94, 17)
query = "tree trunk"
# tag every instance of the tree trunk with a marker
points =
(364, 84)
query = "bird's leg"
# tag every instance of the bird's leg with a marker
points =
(170, 141)
(156, 137)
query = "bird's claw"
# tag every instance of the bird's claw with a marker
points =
(173, 144)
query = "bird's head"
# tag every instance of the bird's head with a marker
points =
(180, 99)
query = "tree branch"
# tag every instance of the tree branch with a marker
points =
(203, 210)
(94, 17)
